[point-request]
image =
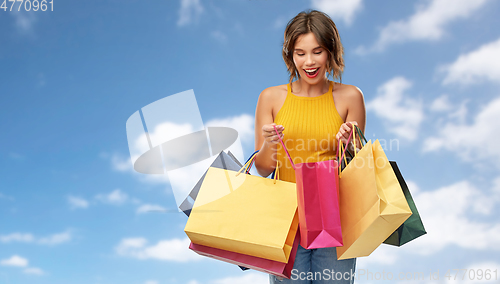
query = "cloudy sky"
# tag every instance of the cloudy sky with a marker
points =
(72, 210)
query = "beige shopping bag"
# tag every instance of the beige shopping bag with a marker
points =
(372, 203)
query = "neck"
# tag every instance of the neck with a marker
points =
(300, 87)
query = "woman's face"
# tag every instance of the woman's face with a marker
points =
(310, 58)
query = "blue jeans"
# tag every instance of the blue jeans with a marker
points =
(316, 266)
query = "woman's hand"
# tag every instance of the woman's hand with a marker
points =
(345, 131)
(269, 133)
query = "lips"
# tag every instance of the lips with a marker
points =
(311, 72)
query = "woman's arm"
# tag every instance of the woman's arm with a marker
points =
(265, 135)
(356, 115)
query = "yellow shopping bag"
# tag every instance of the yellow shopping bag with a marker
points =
(372, 203)
(245, 214)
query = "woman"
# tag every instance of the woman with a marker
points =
(310, 114)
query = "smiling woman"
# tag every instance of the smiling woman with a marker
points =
(321, 32)
(313, 109)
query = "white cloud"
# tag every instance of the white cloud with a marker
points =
(401, 114)
(56, 239)
(475, 140)
(115, 197)
(383, 255)
(428, 23)
(496, 187)
(166, 131)
(122, 164)
(446, 213)
(244, 124)
(176, 250)
(339, 9)
(219, 36)
(443, 108)
(76, 202)
(157, 135)
(460, 114)
(482, 64)
(452, 211)
(247, 278)
(412, 186)
(15, 260)
(24, 21)
(146, 208)
(130, 243)
(18, 261)
(190, 11)
(441, 104)
(17, 237)
(34, 271)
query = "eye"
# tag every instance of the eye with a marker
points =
(319, 52)
(299, 54)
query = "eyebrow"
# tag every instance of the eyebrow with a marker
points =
(298, 49)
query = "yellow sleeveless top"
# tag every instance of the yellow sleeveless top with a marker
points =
(311, 124)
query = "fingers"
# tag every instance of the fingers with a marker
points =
(352, 123)
(269, 133)
(345, 131)
(270, 128)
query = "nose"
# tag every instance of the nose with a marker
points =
(309, 60)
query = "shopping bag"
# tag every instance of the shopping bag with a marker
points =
(245, 214)
(318, 202)
(372, 203)
(413, 227)
(223, 161)
(261, 264)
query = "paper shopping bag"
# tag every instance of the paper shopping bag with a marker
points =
(223, 161)
(318, 202)
(244, 214)
(261, 264)
(372, 203)
(413, 227)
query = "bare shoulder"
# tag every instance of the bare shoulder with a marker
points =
(272, 99)
(273, 93)
(348, 101)
(348, 92)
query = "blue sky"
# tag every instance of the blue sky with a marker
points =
(73, 211)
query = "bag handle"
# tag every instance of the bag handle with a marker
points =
(341, 145)
(249, 163)
(284, 147)
(361, 135)
(341, 149)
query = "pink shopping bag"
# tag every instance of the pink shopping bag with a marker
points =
(318, 203)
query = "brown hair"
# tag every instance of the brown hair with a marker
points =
(326, 34)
